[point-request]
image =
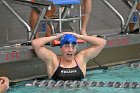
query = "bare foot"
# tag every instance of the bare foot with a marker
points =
(83, 33)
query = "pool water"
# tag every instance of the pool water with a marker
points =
(120, 73)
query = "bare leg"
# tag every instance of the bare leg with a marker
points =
(86, 10)
(34, 18)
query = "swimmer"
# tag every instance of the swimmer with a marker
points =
(70, 65)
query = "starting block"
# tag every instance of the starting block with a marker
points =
(63, 18)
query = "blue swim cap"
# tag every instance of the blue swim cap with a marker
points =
(67, 39)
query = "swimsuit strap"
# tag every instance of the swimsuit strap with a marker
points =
(59, 61)
(75, 61)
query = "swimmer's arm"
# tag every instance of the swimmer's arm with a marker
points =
(97, 44)
(40, 49)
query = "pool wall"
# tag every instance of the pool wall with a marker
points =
(20, 63)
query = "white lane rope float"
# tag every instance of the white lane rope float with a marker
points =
(78, 84)
(134, 65)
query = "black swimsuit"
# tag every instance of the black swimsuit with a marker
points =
(73, 73)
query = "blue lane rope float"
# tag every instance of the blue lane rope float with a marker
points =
(78, 84)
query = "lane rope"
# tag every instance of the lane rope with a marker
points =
(78, 84)
(134, 65)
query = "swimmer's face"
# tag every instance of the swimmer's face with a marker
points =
(68, 50)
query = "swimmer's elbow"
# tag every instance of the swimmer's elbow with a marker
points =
(34, 44)
(104, 42)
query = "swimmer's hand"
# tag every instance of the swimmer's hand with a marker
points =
(4, 84)
(58, 35)
(73, 33)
